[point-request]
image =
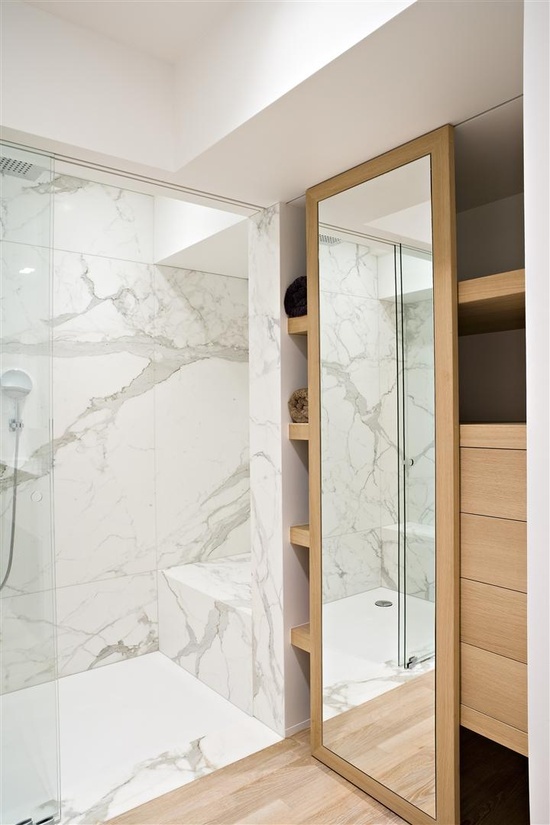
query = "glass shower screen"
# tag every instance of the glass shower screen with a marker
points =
(29, 770)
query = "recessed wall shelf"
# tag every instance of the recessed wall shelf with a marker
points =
(298, 432)
(300, 638)
(298, 326)
(496, 436)
(299, 534)
(492, 304)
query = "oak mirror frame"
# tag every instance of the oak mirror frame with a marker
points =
(438, 147)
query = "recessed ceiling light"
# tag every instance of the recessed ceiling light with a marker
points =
(27, 270)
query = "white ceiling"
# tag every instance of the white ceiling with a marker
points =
(435, 63)
(161, 28)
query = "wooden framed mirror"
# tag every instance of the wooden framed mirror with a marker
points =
(383, 434)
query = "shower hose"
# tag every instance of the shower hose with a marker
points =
(13, 506)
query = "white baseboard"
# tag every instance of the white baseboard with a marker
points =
(297, 728)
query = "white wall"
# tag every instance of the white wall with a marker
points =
(179, 225)
(68, 84)
(265, 50)
(537, 260)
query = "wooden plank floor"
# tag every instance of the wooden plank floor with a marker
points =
(282, 785)
(392, 739)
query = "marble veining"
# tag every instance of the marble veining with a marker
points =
(360, 648)
(104, 622)
(266, 467)
(150, 415)
(185, 731)
(28, 640)
(361, 454)
(205, 624)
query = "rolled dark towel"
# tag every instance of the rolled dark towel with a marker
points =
(296, 298)
(297, 406)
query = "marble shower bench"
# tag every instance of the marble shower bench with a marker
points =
(205, 624)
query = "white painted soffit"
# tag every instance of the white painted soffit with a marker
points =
(164, 29)
(435, 63)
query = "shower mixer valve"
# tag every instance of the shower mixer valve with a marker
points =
(15, 424)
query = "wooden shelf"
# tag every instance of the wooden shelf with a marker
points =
(298, 432)
(494, 436)
(298, 326)
(299, 637)
(493, 729)
(492, 304)
(299, 534)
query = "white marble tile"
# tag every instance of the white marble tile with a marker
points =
(202, 470)
(197, 309)
(95, 219)
(104, 622)
(351, 564)
(149, 727)
(103, 301)
(355, 436)
(28, 640)
(348, 269)
(25, 297)
(205, 624)
(420, 558)
(360, 647)
(27, 205)
(361, 381)
(104, 326)
(33, 565)
(201, 412)
(266, 433)
(104, 475)
(226, 580)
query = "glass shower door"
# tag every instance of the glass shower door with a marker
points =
(29, 763)
(418, 456)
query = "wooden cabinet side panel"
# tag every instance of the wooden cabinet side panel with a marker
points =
(494, 619)
(494, 551)
(493, 483)
(494, 685)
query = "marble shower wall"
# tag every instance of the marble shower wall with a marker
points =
(27, 602)
(357, 377)
(150, 396)
(266, 433)
(359, 426)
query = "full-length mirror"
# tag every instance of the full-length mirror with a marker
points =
(383, 450)
(378, 478)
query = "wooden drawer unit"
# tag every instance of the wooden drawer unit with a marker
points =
(494, 685)
(493, 569)
(494, 551)
(493, 482)
(494, 619)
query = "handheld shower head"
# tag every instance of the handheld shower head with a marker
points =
(16, 384)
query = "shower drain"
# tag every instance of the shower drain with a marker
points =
(383, 603)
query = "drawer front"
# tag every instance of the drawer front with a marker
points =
(494, 685)
(494, 619)
(494, 551)
(493, 483)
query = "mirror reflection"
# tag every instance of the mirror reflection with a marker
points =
(378, 479)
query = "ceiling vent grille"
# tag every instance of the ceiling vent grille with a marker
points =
(19, 168)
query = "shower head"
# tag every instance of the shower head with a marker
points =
(16, 384)
(19, 168)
